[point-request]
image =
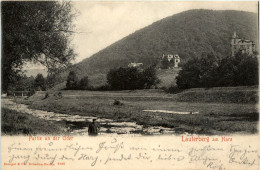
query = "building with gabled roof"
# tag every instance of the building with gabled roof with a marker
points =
(240, 44)
(172, 59)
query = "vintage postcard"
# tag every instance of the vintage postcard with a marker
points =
(129, 85)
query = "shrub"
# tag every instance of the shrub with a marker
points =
(173, 89)
(102, 88)
(46, 96)
(31, 92)
(117, 103)
(60, 95)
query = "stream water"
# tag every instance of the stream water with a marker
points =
(78, 125)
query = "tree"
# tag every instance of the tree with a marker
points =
(198, 72)
(123, 78)
(72, 81)
(247, 73)
(50, 80)
(165, 63)
(132, 78)
(35, 32)
(53, 79)
(226, 72)
(83, 83)
(25, 84)
(189, 75)
(40, 82)
(149, 77)
(208, 71)
(208, 65)
(240, 70)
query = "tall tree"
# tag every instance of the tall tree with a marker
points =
(40, 82)
(35, 32)
(72, 81)
(25, 84)
(83, 83)
(149, 77)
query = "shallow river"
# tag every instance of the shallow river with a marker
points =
(78, 125)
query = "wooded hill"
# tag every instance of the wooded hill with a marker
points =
(189, 34)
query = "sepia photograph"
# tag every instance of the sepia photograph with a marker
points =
(140, 72)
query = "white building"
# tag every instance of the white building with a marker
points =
(173, 58)
(135, 65)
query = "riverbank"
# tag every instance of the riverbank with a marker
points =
(18, 123)
(76, 124)
(213, 118)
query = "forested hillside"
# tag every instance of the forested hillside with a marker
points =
(188, 34)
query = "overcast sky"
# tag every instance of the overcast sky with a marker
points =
(103, 23)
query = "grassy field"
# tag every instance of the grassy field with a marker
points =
(167, 77)
(215, 117)
(240, 94)
(16, 123)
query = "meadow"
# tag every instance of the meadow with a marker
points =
(221, 110)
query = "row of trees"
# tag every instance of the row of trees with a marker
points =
(209, 71)
(132, 78)
(73, 83)
(204, 72)
(30, 83)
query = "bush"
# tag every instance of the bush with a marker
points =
(102, 88)
(60, 95)
(173, 89)
(46, 96)
(117, 103)
(31, 92)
